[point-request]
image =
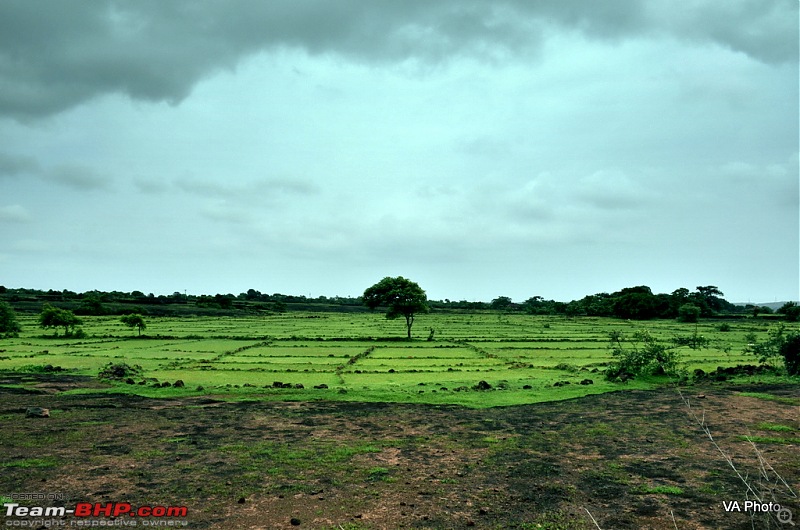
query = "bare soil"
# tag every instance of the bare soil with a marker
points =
(630, 459)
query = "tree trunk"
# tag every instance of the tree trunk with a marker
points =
(409, 323)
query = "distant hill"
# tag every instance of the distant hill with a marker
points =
(771, 305)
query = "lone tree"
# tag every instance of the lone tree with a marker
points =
(400, 296)
(54, 317)
(134, 320)
(9, 327)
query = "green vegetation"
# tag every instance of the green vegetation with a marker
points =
(134, 320)
(775, 427)
(400, 296)
(9, 327)
(54, 317)
(644, 355)
(770, 397)
(779, 344)
(665, 490)
(358, 357)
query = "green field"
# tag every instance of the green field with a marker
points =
(360, 356)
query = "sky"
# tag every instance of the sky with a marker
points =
(481, 148)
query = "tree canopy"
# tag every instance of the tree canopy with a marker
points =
(9, 327)
(134, 320)
(54, 317)
(400, 296)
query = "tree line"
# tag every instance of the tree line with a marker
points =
(634, 303)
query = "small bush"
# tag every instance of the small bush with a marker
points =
(688, 313)
(790, 351)
(119, 371)
(643, 356)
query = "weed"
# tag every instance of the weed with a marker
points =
(32, 462)
(665, 490)
(775, 427)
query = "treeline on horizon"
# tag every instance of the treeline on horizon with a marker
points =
(635, 303)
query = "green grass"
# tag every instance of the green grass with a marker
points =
(664, 490)
(31, 462)
(362, 357)
(775, 427)
(770, 397)
(770, 440)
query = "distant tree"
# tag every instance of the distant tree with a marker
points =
(762, 310)
(134, 321)
(688, 313)
(710, 298)
(54, 317)
(91, 305)
(501, 303)
(791, 310)
(9, 327)
(636, 305)
(400, 296)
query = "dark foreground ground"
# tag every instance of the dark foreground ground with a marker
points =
(633, 460)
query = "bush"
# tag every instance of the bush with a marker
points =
(791, 310)
(9, 327)
(688, 313)
(644, 356)
(790, 351)
(778, 346)
(119, 371)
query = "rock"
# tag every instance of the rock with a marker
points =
(179, 383)
(37, 412)
(587, 382)
(483, 385)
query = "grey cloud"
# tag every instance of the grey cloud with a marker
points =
(611, 190)
(14, 214)
(78, 177)
(149, 186)
(56, 55)
(13, 165)
(254, 190)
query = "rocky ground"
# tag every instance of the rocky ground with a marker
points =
(631, 459)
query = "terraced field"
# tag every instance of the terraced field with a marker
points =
(362, 356)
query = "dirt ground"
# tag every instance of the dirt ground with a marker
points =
(625, 460)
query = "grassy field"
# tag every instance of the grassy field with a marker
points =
(360, 357)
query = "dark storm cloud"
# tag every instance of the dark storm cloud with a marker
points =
(55, 55)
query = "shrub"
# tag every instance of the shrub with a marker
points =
(688, 313)
(119, 371)
(790, 351)
(643, 356)
(9, 327)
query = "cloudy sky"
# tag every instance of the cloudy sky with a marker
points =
(479, 147)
